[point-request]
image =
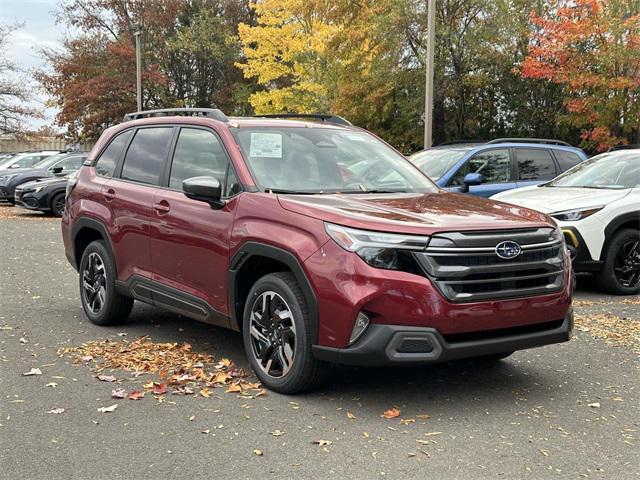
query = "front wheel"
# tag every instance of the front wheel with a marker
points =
(277, 335)
(620, 273)
(57, 205)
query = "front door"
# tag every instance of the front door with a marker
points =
(190, 239)
(495, 168)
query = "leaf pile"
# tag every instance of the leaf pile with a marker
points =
(180, 369)
(612, 329)
(7, 212)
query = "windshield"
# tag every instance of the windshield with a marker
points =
(326, 160)
(435, 163)
(609, 170)
(47, 162)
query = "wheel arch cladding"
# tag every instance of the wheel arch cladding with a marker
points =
(626, 220)
(85, 231)
(252, 261)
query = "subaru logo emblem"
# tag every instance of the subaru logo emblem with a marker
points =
(508, 250)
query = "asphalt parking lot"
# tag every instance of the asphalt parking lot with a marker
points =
(563, 411)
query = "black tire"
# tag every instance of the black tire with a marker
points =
(57, 205)
(608, 279)
(115, 308)
(305, 372)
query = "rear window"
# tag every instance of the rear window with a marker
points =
(535, 164)
(145, 157)
(566, 160)
(106, 164)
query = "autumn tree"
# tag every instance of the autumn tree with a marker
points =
(592, 48)
(15, 95)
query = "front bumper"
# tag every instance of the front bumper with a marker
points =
(393, 344)
(5, 194)
(580, 255)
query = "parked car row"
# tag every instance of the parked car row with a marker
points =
(22, 179)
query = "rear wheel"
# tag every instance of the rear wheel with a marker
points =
(277, 335)
(57, 205)
(620, 273)
(102, 304)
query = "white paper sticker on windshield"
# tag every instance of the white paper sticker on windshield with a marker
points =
(266, 145)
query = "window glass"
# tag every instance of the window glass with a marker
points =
(107, 162)
(198, 153)
(494, 165)
(326, 160)
(71, 163)
(145, 157)
(232, 185)
(566, 160)
(615, 170)
(28, 161)
(535, 164)
(438, 161)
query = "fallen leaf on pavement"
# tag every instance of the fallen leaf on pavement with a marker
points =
(351, 416)
(159, 388)
(23, 340)
(33, 371)
(392, 413)
(182, 391)
(108, 409)
(52, 384)
(322, 443)
(118, 393)
(423, 416)
(56, 411)
(136, 395)
(258, 452)
(277, 433)
(205, 392)
(594, 405)
(233, 388)
(433, 433)
(106, 378)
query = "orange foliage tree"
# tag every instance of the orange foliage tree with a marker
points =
(592, 48)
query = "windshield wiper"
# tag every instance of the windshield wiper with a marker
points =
(289, 192)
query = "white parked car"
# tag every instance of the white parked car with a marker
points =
(597, 205)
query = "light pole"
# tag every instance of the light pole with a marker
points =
(428, 96)
(137, 34)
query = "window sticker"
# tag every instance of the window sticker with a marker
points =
(266, 145)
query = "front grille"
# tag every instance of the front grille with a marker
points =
(465, 267)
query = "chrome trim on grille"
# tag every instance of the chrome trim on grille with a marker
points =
(472, 273)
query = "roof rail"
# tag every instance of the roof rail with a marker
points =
(459, 142)
(624, 147)
(335, 119)
(214, 113)
(547, 141)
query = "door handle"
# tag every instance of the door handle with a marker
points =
(109, 195)
(162, 207)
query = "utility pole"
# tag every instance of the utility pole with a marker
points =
(428, 97)
(137, 34)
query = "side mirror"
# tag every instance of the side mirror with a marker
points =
(57, 170)
(471, 179)
(204, 189)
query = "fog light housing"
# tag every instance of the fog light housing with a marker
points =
(361, 324)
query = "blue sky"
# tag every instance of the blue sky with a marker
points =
(39, 30)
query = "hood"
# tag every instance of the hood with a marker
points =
(47, 182)
(413, 212)
(556, 199)
(20, 171)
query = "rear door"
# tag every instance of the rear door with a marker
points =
(129, 198)
(534, 166)
(189, 239)
(495, 167)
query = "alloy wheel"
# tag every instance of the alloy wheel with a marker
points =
(273, 334)
(58, 206)
(626, 265)
(94, 283)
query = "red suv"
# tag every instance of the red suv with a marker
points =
(315, 239)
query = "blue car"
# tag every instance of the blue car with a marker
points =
(488, 168)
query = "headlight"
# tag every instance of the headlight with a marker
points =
(575, 215)
(378, 249)
(38, 189)
(6, 178)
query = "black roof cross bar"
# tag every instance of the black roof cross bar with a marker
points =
(547, 141)
(335, 119)
(214, 113)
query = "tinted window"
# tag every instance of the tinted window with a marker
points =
(145, 157)
(71, 163)
(107, 162)
(232, 185)
(535, 164)
(494, 166)
(198, 153)
(566, 160)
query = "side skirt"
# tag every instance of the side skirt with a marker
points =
(174, 300)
